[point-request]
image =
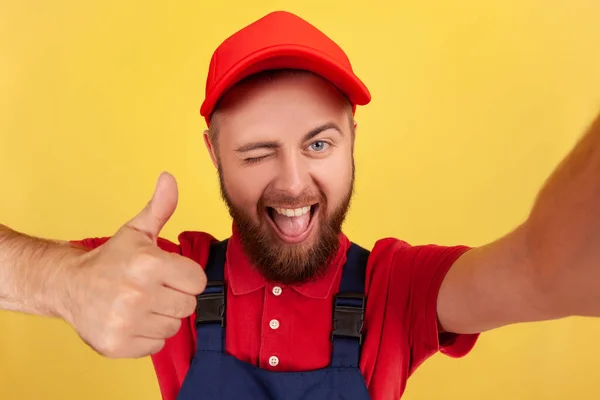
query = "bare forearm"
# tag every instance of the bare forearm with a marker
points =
(563, 230)
(547, 268)
(33, 272)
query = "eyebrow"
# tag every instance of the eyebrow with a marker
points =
(314, 132)
(274, 144)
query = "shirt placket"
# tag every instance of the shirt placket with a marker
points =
(273, 328)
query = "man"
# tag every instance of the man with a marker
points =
(288, 307)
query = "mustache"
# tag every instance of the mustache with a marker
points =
(283, 199)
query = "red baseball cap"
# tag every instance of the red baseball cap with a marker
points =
(280, 40)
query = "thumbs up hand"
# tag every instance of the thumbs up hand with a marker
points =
(128, 296)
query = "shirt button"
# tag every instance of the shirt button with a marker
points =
(274, 324)
(273, 361)
(277, 290)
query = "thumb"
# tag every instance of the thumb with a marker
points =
(160, 208)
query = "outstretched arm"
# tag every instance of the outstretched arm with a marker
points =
(548, 267)
(124, 298)
(32, 273)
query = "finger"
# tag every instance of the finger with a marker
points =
(173, 303)
(154, 326)
(159, 209)
(183, 274)
(135, 347)
(142, 347)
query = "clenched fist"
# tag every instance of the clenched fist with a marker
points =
(127, 296)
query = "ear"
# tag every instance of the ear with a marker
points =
(354, 131)
(210, 148)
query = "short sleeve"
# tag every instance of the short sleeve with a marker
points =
(428, 266)
(415, 277)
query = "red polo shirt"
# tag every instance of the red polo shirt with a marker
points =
(293, 323)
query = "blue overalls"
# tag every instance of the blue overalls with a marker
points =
(213, 374)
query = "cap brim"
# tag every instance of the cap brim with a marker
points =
(292, 57)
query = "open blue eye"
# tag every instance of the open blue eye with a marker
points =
(319, 145)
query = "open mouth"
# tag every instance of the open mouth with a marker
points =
(292, 225)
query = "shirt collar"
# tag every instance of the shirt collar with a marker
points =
(244, 278)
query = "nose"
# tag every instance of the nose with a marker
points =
(293, 177)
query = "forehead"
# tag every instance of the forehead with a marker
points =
(288, 102)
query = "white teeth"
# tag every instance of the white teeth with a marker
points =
(293, 212)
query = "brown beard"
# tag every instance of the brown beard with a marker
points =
(289, 263)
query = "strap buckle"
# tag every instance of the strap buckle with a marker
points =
(210, 306)
(348, 315)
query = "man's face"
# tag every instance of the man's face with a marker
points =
(284, 154)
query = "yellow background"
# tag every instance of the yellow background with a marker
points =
(474, 102)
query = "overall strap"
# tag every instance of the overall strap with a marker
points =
(210, 308)
(349, 310)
